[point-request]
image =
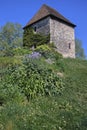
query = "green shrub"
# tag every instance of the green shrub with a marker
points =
(43, 80)
(10, 92)
(5, 62)
(8, 52)
(34, 39)
(15, 51)
(43, 48)
(34, 79)
(48, 52)
(21, 51)
(64, 111)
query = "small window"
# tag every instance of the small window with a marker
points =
(69, 45)
(35, 29)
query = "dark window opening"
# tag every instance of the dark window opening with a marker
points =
(69, 45)
(35, 29)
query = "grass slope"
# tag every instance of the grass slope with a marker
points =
(67, 111)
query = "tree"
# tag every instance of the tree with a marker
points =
(10, 36)
(28, 37)
(79, 49)
(34, 39)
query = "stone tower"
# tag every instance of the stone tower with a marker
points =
(48, 21)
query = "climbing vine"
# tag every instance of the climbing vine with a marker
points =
(34, 39)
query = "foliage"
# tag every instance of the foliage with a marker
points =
(43, 113)
(64, 110)
(34, 39)
(8, 52)
(43, 48)
(7, 61)
(48, 52)
(51, 56)
(9, 92)
(21, 51)
(27, 37)
(34, 79)
(14, 117)
(79, 49)
(10, 37)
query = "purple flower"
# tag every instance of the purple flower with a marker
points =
(34, 55)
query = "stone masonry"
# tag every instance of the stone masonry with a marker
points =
(62, 35)
(42, 26)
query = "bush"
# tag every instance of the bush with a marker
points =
(33, 79)
(7, 61)
(21, 51)
(8, 52)
(10, 92)
(34, 39)
(66, 111)
(48, 52)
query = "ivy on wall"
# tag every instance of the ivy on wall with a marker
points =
(34, 39)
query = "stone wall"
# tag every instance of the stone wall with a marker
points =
(60, 33)
(42, 26)
(63, 37)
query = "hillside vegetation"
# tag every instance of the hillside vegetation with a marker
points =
(42, 91)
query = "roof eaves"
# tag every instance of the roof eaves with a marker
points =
(59, 19)
(64, 21)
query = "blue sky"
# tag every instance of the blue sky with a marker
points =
(21, 11)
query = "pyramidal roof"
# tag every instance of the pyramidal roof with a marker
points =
(45, 11)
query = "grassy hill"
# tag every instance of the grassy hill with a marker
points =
(66, 110)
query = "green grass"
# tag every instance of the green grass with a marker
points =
(76, 78)
(7, 61)
(67, 111)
